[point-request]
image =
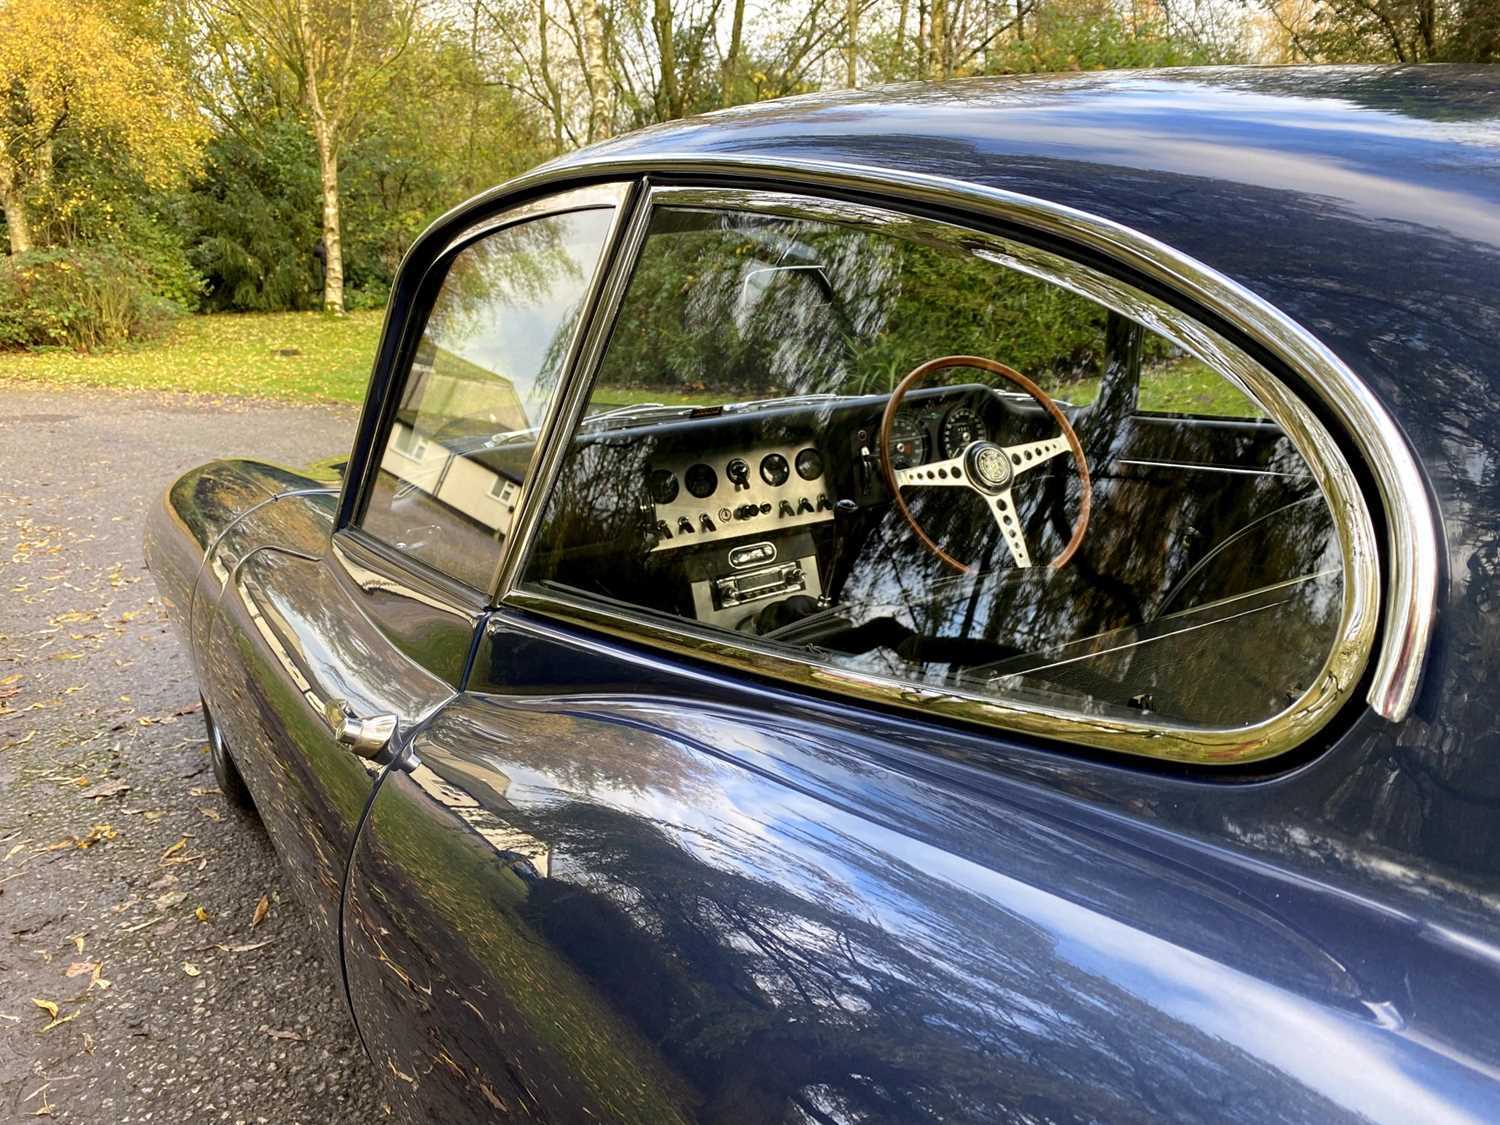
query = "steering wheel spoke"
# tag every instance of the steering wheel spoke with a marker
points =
(938, 474)
(1028, 455)
(1003, 509)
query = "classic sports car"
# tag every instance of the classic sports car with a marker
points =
(961, 603)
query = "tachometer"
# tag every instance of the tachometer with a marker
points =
(909, 444)
(961, 429)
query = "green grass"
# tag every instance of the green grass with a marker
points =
(260, 355)
(320, 357)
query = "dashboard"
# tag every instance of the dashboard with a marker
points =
(738, 492)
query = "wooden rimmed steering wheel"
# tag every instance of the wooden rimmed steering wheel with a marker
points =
(985, 468)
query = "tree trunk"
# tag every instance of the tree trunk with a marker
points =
(13, 199)
(901, 32)
(937, 40)
(598, 73)
(544, 64)
(732, 60)
(667, 51)
(851, 52)
(325, 133)
(333, 246)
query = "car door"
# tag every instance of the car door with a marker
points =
(332, 647)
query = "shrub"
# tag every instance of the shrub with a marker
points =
(78, 298)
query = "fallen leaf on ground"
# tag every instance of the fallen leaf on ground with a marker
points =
(175, 848)
(284, 1033)
(262, 908)
(97, 833)
(170, 899)
(105, 789)
(47, 1006)
(78, 968)
(77, 939)
(201, 914)
(73, 1015)
(202, 791)
(212, 814)
(191, 969)
(244, 948)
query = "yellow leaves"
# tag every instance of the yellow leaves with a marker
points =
(76, 67)
(96, 834)
(262, 908)
(47, 1006)
(202, 915)
(191, 969)
(174, 849)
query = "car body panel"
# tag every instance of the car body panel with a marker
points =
(763, 904)
(627, 886)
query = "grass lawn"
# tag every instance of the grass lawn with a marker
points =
(262, 355)
(314, 356)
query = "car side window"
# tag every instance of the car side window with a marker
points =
(896, 452)
(484, 371)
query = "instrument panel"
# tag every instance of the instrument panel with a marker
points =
(744, 492)
(920, 434)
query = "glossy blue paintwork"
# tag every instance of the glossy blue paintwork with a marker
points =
(622, 887)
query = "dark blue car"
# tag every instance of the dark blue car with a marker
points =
(960, 603)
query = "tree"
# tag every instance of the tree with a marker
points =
(342, 56)
(1412, 31)
(65, 66)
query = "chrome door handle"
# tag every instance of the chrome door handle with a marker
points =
(369, 737)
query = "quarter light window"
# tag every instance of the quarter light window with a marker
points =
(488, 362)
(896, 456)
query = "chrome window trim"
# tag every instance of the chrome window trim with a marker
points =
(626, 235)
(1413, 551)
(1332, 687)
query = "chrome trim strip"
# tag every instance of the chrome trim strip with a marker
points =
(1193, 467)
(626, 234)
(591, 198)
(1341, 671)
(1413, 545)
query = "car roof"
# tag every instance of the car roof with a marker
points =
(1364, 202)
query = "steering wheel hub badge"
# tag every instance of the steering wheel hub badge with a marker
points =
(988, 466)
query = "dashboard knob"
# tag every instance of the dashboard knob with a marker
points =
(784, 509)
(663, 530)
(804, 506)
(705, 524)
(824, 504)
(738, 471)
(684, 525)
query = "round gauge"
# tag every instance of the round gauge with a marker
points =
(701, 480)
(663, 485)
(774, 470)
(909, 445)
(809, 464)
(961, 429)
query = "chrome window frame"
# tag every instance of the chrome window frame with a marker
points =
(1413, 553)
(1329, 691)
(616, 195)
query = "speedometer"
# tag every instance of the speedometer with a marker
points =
(961, 429)
(909, 445)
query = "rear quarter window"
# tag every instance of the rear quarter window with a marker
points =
(1094, 520)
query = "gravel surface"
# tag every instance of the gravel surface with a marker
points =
(113, 837)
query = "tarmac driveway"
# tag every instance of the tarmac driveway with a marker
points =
(128, 888)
